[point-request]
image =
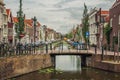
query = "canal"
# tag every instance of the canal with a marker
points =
(70, 69)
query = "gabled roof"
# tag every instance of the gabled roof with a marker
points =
(115, 3)
(8, 11)
(29, 22)
(38, 24)
(15, 19)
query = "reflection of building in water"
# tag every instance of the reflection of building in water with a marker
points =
(68, 63)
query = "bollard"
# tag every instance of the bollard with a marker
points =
(46, 48)
(95, 49)
(51, 46)
(62, 46)
(102, 56)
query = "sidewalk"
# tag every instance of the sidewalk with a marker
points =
(92, 50)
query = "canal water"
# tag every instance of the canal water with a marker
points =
(70, 67)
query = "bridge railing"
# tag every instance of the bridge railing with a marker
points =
(7, 50)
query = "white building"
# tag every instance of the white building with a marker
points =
(92, 26)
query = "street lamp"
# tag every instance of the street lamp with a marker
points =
(114, 45)
(34, 24)
(101, 37)
(97, 34)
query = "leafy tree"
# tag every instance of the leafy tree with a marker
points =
(85, 22)
(20, 25)
(107, 31)
(69, 35)
(78, 33)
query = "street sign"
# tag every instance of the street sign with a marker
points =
(87, 34)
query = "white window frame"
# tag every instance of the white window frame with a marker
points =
(111, 22)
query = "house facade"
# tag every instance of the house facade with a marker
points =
(10, 26)
(98, 18)
(3, 23)
(93, 26)
(115, 22)
(104, 20)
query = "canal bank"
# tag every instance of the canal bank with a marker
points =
(70, 69)
(18, 65)
(107, 64)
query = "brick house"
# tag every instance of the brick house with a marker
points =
(29, 31)
(10, 26)
(115, 22)
(104, 15)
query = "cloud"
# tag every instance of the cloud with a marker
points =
(60, 15)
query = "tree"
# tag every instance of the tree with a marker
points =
(85, 22)
(107, 31)
(79, 33)
(69, 35)
(20, 24)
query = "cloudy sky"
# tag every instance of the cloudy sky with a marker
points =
(61, 15)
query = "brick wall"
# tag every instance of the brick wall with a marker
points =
(15, 66)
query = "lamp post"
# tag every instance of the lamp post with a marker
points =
(114, 46)
(97, 24)
(102, 56)
(118, 43)
(3, 45)
(46, 43)
(34, 23)
(101, 37)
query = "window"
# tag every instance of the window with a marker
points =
(111, 20)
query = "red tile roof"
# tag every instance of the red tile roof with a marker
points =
(8, 11)
(29, 22)
(104, 12)
(15, 19)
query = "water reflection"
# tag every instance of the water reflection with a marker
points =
(71, 71)
(68, 63)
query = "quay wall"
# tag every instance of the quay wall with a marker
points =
(18, 65)
(107, 63)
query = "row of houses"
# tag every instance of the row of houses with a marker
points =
(98, 21)
(8, 29)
